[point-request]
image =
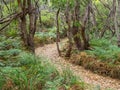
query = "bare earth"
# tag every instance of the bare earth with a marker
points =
(50, 52)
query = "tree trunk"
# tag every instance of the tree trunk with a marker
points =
(22, 22)
(23, 30)
(58, 33)
(118, 32)
(83, 27)
(28, 34)
(117, 19)
(76, 24)
(32, 26)
(85, 40)
(1, 13)
(68, 21)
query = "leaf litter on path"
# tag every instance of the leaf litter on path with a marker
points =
(50, 51)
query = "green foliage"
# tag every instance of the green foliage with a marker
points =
(11, 53)
(27, 59)
(9, 43)
(25, 71)
(12, 33)
(34, 74)
(46, 37)
(105, 50)
(9, 48)
(68, 78)
(12, 5)
(77, 24)
(100, 42)
(41, 38)
(47, 19)
(58, 3)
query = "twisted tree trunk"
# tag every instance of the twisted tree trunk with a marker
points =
(28, 34)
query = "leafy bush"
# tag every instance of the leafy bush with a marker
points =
(52, 33)
(100, 42)
(47, 19)
(12, 33)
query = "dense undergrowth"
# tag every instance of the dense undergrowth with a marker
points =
(103, 58)
(105, 50)
(33, 73)
(9, 48)
(21, 70)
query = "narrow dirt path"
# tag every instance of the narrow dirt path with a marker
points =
(50, 52)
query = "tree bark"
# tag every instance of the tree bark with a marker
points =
(76, 24)
(28, 34)
(83, 28)
(117, 20)
(58, 33)
(22, 21)
(69, 35)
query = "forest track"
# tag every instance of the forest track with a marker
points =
(50, 51)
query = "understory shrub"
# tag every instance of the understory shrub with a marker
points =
(47, 19)
(7, 54)
(9, 43)
(12, 33)
(35, 73)
(10, 48)
(105, 51)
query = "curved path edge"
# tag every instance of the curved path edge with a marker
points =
(50, 51)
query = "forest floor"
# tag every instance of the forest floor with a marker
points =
(50, 51)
